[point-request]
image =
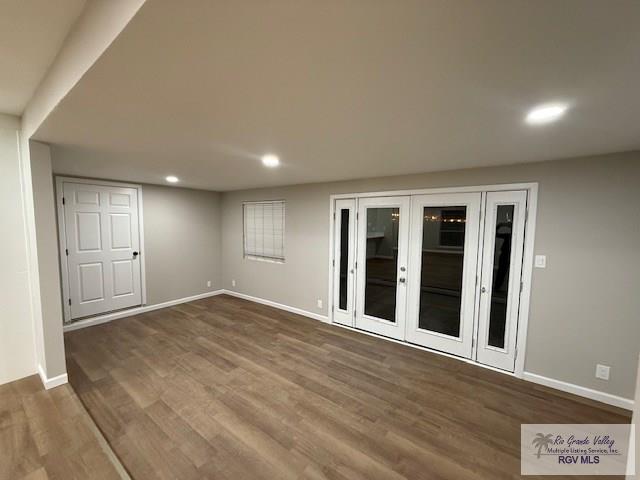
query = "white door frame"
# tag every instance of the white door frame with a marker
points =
(62, 236)
(528, 254)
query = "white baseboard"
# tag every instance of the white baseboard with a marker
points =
(52, 382)
(597, 395)
(287, 308)
(90, 322)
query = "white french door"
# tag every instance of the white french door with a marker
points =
(344, 261)
(440, 270)
(382, 249)
(500, 280)
(443, 258)
(102, 243)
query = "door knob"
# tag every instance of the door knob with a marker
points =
(483, 290)
(402, 280)
(135, 254)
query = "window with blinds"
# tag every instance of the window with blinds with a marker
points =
(264, 230)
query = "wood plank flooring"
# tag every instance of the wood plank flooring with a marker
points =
(47, 434)
(228, 389)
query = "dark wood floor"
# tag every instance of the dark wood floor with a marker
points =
(227, 389)
(47, 434)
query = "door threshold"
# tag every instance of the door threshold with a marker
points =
(427, 349)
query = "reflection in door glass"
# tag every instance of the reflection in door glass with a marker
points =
(344, 257)
(501, 267)
(443, 231)
(382, 263)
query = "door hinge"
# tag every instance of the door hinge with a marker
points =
(69, 301)
(354, 314)
(515, 354)
(334, 215)
(332, 308)
(355, 265)
(357, 215)
(476, 279)
(333, 262)
(63, 201)
(521, 286)
(66, 250)
(473, 342)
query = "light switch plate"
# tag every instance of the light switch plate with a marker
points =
(541, 261)
(602, 372)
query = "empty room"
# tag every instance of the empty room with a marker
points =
(335, 240)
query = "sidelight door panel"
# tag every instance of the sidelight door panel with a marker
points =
(500, 278)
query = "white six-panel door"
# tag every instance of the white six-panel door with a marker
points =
(101, 233)
(443, 258)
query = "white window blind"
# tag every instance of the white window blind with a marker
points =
(264, 230)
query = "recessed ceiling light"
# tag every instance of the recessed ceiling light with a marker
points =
(546, 113)
(270, 160)
(171, 179)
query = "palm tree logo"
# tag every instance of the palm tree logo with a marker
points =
(542, 441)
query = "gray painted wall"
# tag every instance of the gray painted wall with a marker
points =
(182, 242)
(584, 305)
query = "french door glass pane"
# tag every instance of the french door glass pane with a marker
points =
(344, 257)
(443, 232)
(382, 263)
(501, 268)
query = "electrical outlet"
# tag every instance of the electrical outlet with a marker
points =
(602, 372)
(541, 261)
(319, 303)
(208, 283)
(233, 283)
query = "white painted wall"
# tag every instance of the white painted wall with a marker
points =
(53, 358)
(17, 347)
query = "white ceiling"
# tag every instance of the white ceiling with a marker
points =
(31, 33)
(341, 90)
